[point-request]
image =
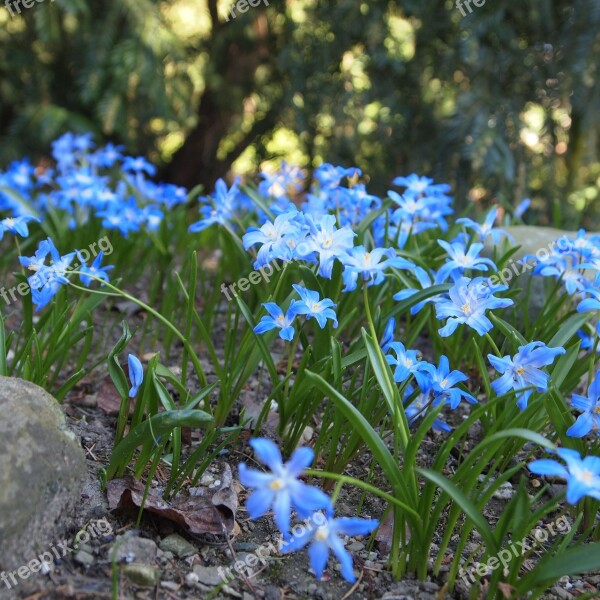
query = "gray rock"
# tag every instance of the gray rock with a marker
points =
(84, 558)
(169, 585)
(131, 549)
(178, 545)
(42, 469)
(142, 575)
(208, 575)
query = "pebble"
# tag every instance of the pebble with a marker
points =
(505, 491)
(208, 575)
(307, 434)
(356, 546)
(245, 547)
(134, 549)
(142, 575)
(177, 545)
(169, 585)
(83, 558)
(207, 479)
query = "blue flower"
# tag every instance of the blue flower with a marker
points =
(370, 265)
(487, 228)
(277, 320)
(222, 208)
(277, 239)
(311, 306)
(415, 184)
(330, 176)
(583, 476)
(277, 185)
(16, 225)
(426, 280)
(388, 335)
(109, 155)
(87, 274)
(522, 208)
(136, 374)
(325, 537)
(420, 406)
(588, 341)
(326, 240)
(468, 300)
(523, 370)
(443, 383)
(47, 279)
(281, 489)
(589, 304)
(138, 165)
(460, 259)
(406, 362)
(589, 419)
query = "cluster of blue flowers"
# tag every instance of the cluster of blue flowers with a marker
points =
(48, 278)
(436, 384)
(309, 305)
(282, 491)
(575, 263)
(89, 181)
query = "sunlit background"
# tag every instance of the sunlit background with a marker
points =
(503, 103)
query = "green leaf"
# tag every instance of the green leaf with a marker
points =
(363, 428)
(151, 429)
(508, 330)
(466, 506)
(583, 559)
(568, 330)
(564, 365)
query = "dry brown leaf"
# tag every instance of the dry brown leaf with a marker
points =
(383, 538)
(206, 511)
(109, 400)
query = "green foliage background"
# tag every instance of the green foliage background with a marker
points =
(502, 103)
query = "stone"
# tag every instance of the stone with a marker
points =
(169, 585)
(504, 492)
(208, 575)
(142, 575)
(132, 549)
(178, 545)
(84, 558)
(42, 470)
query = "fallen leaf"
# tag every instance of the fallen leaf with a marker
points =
(383, 538)
(203, 511)
(109, 400)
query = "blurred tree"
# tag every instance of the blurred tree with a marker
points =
(503, 102)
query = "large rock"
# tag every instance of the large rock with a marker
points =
(42, 467)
